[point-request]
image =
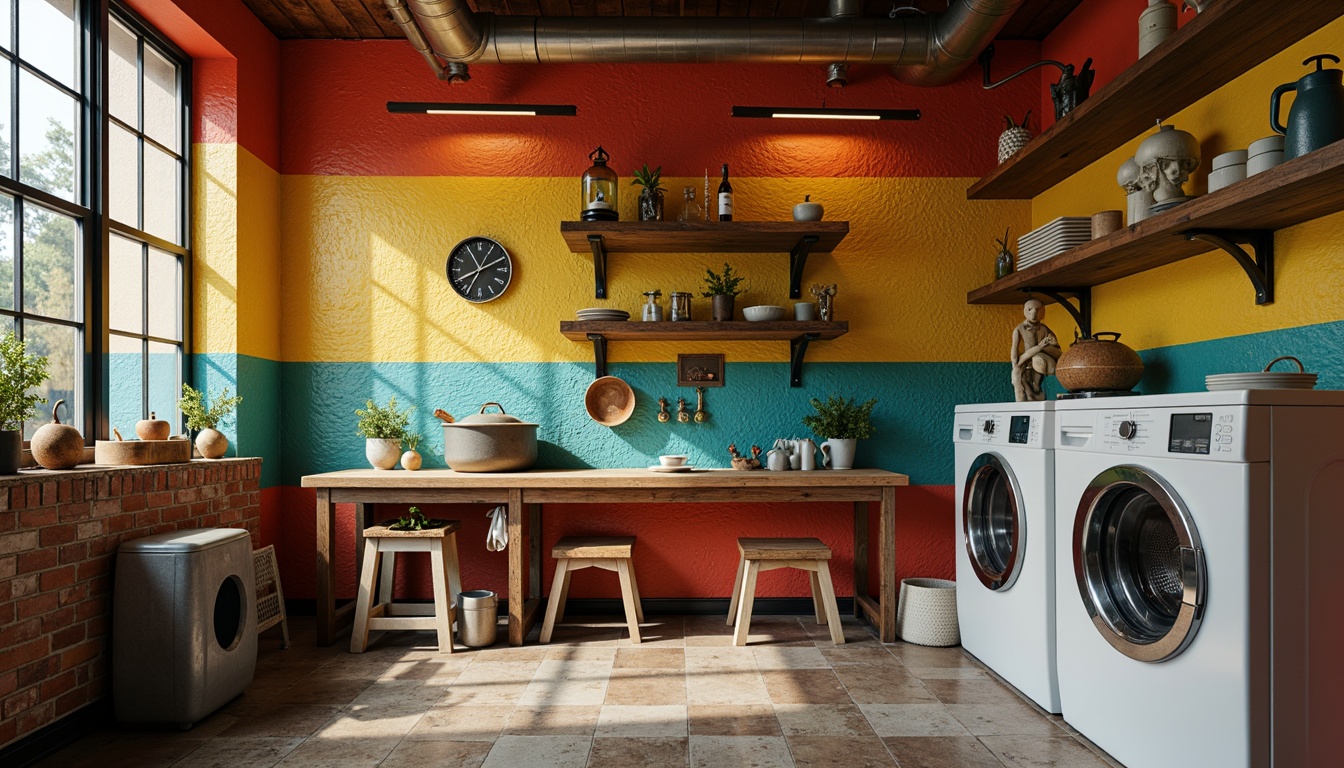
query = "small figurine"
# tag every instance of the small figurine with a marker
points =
(1166, 159)
(1039, 352)
(742, 462)
(825, 295)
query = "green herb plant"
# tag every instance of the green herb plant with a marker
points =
(383, 422)
(192, 405)
(412, 439)
(21, 372)
(415, 520)
(723, 285)
(652, 181)
(841, 419)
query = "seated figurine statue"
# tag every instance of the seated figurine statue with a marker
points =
(1034, 353)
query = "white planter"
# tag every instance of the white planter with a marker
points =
(927, 613)
(382, 454)
(839, 454)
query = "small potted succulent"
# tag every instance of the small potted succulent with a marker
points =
(210, 442)
(415, 520)
(383, 428)
(21, 374)
(723, 290)
(410, 460)
(651, 197)
(841, 424)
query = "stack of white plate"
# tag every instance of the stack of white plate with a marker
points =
(1053, 239)
(602, 314)
(1260, 380)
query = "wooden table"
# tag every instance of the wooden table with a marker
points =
(524, 493)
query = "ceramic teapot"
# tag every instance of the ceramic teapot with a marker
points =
(1317, 116)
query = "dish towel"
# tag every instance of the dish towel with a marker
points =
(497, 538)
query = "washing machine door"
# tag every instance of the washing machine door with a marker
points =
(992, 520)
(1139, 564)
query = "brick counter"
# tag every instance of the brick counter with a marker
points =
(59, 533)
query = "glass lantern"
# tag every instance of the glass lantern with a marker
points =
(599, 189)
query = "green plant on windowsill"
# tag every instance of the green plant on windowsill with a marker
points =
(415, 520)
(841, 419)
(192, 405)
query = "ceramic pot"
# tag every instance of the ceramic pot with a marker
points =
(839, 454)
(411, 461)
(211, 443)
(1096, 364)
(722, 308)
(382, 453)
(1156, 23)
(807, 210)
(490, 442)
(11, 451)
(57, 445)
(153, 428)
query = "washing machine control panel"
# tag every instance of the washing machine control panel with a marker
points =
(1214, 432)
(1003, 429)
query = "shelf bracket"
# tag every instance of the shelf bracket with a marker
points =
(1082, 313)
(797, 351)
(599, 354)
(1259, 269)
(797, 259)
(599, 264)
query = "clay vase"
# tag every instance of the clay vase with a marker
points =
(1096, 365)
(153, 428)
(382, 454)
(211, 443)
(57, 445)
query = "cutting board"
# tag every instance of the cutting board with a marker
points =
(141, 452)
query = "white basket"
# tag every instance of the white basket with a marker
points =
(927, 613)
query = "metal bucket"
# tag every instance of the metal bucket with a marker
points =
(477, 618)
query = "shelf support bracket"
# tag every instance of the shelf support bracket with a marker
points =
(797, 259)
(599, 354)
(1082, 313)
(797, 351)
(1259, 269)
(599, 264)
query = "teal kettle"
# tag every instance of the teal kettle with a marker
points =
(1317, 116)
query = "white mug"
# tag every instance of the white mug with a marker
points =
(805, 310)
(838, 454)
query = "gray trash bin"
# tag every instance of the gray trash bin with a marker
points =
(478, 618)
(184, 638)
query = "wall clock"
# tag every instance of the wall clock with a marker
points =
(479, 269)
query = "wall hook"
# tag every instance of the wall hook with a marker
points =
(701, 415)
(663, 415)
(683, 415)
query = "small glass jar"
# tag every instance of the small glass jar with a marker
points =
(690, 209)
(653, 311)
(681, 306)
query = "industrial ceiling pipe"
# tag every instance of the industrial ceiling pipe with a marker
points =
(926, 50)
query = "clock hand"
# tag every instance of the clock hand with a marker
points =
(485, 267)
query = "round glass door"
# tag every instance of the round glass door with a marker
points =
(992, 524)
(1139, 565)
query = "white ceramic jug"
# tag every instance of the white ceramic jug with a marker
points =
(807, 452)
(839, 454)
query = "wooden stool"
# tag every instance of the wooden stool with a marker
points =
(611, 553)
(768, 554)
(441, 544)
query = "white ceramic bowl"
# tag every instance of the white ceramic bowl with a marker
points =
(764, 313)
(1235, 157)
(672, 460)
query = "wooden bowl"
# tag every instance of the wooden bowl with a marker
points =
(609, 401)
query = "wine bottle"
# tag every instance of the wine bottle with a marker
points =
(725, 197)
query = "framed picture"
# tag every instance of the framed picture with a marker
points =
(699, 370)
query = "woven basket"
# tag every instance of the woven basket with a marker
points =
(927, 613)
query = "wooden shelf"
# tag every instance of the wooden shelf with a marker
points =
(1226, 40)
(798, 334)
(1300, 190)
(797, 239)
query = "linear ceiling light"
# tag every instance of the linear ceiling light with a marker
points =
(445, 108)
(822, 113)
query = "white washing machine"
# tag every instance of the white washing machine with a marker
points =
(1005, 556)
(1198, 577)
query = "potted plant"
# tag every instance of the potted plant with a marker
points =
(840, 423)
(651, 197)
(21, 373)
(411, 460)
(415, 520)
(383, 428)
(210, 442)
(723, 289)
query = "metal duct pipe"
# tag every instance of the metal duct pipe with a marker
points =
(956, 38)
(417, 38)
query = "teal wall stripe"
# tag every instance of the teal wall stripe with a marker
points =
(254, 429)
(1182, 367)
(913, 415)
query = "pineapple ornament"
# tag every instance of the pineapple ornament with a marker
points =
(1014, 138)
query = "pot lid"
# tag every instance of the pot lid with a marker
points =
(478, 419)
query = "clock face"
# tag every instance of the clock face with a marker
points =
(479, 269)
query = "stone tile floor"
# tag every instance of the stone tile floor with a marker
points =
(684, 697)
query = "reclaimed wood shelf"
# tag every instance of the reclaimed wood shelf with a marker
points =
(798, 333)
(1248, 211)
(1227, 39)
(796, 238)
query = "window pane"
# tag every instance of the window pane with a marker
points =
(47, 35)
(123, 170)
(161, 99)
(125, 367)
(125, 286)
(6, 125)
(6, 30)
(6, 252)
(162, 194)
(164, 369)
(50, 251)
(165, 295)
(123, 77)
(57, 343)
(46, 136)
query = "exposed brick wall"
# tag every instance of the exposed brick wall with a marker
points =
(59, 533)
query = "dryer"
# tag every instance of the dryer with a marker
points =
(1197, 576)
(1005, 552)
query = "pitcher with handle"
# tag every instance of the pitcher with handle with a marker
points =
(839, 454)
(1317, 116)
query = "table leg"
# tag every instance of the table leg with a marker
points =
(360, 524)
(534, 551)
(860, 555)
(886, 531)
(326, 568)
(518, 552)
